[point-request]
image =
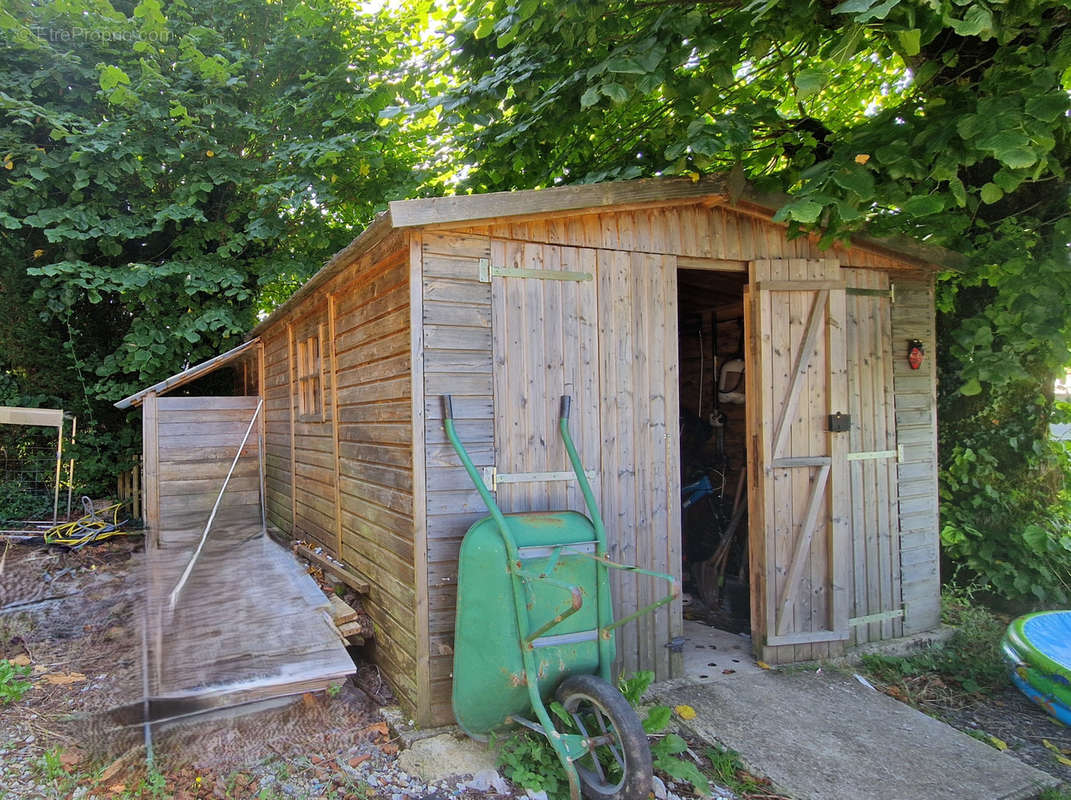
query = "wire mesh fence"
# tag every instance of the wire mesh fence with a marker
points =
(33, 475)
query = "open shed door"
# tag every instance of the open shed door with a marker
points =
(798, 489)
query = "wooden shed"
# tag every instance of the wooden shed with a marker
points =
(631, 297)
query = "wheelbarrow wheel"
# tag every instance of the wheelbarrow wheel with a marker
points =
(618, 765)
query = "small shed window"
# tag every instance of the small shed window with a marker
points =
(308, 377)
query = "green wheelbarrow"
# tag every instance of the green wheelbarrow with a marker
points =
(535, 628)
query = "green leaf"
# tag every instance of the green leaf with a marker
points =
(1047, 108)
(910, 41)
(526, 9)
(991, 193)
(616, 92)
(625, 64)
(485, 28)
(856, 179)
(959, 191)
(590, 97)
(112, 76)
(977, 22)
(866, 9)
(657, 719)
(971, 388)
(1017, 157)
(924, 205)
(809, 81)
(507, 38)
(801, 210)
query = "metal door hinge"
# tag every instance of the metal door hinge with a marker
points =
(492, 477)
(487, 272)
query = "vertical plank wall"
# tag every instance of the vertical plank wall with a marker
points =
(277, 432)
(875, 555)
(633, 326)
(197, 439)
(916, 430)
(362, 443)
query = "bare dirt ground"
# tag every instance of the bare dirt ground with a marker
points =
(69, 619)
(1006, 720)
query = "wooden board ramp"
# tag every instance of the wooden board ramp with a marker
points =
(250, 624)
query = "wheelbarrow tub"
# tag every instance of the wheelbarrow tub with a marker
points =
(489, 676)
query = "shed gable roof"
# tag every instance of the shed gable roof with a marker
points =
(580, 199)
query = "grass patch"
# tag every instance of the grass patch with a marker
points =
(1062, 792)
(948, 674)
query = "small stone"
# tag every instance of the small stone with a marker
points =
(540, 795)
(658, 787)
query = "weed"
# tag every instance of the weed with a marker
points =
(528, 759)
(1061, 792)
(333, 689)
(49, 766)
(156, 784)
(968, 663)
(12, 687)
(728, 771)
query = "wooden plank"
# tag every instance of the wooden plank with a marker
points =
(814, 323)
(341, 611)
(584, 197)
(151, 462)
(44, 417)
(840, 533)
(328, 565)
(417, 333)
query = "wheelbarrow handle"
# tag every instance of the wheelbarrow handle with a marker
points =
(448, 407)
(567, 402)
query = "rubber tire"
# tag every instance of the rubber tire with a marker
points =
(635, 750)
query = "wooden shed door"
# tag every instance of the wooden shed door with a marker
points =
(544, 319)
(798, 487)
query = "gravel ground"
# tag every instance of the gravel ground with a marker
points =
(69, 618)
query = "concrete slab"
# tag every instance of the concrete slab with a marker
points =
(825, 736)
(716, 656)
(446, 756)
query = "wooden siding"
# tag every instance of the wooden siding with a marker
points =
(360, 441)
(277, 433)
(313, 421)
(196, 440)
(875, 526)
(694, 231)
(916, 432)
(611, 344)
(457, 360)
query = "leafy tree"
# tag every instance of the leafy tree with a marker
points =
(943, 119)
(170, 169)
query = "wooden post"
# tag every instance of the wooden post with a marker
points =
(59, 470)
(150, 416)
(262, 427)
(330, 348)
(293, 430)
(135, 492)
(70, 465)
